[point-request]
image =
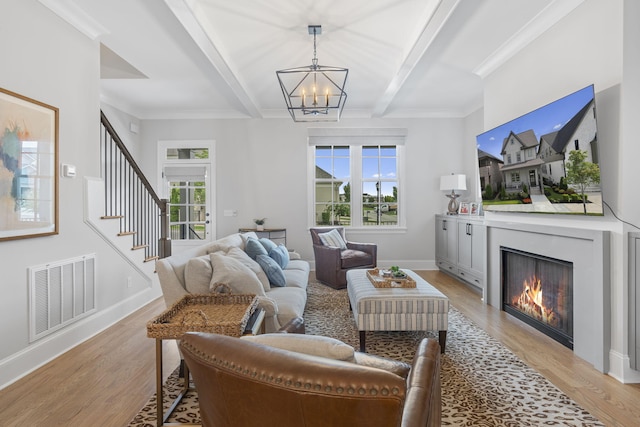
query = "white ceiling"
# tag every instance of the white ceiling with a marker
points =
(217, 58)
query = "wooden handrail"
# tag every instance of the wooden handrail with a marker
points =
(130, 197)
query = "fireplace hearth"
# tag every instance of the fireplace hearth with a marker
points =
(539, 291)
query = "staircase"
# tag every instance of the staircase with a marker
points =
(123, 207)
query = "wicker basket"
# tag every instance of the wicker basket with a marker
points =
(380, 281)
(219, 313)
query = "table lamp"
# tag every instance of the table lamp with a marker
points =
(453, 182)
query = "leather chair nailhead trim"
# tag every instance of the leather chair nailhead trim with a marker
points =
(250, 372)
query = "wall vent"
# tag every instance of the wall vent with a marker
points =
(61, 293)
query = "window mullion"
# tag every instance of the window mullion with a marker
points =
(356, 185)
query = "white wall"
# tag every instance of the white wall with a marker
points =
(586, 48)
(47, 60)
(262, 172)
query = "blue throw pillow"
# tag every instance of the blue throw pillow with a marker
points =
(272, 269)
(268, 244)
(280, 254)
(253, 248)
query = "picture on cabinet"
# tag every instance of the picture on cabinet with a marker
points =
(464, 208)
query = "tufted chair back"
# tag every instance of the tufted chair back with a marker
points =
(244, 383)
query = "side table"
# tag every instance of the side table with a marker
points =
(243, 317)
(269, 233)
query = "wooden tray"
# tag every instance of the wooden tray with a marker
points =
(379, 281)
(225, 314)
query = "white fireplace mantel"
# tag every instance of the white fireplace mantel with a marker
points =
(588, 250)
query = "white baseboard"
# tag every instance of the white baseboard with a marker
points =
(45, 350)
(620, 368)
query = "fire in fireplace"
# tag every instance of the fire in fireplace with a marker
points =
(539, 291)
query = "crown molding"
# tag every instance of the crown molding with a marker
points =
(69, 11)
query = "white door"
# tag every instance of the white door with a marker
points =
(186, 181)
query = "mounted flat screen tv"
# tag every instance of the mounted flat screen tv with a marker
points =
(545, 161)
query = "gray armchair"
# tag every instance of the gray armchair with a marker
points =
(332, 263)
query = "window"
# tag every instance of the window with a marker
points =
(333, 185)
(518, 157)
(577, 144)
(379, 185)
(356, 180)
(515, 176)
(508, 159)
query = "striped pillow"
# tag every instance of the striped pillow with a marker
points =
(333, 239)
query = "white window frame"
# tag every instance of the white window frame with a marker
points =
(356, 138)
(209, 164)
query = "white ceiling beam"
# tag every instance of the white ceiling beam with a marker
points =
(430, 31)
(544, 20)
(185, 15)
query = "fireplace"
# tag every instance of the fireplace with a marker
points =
(539, 291)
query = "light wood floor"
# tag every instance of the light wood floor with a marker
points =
(106, 380)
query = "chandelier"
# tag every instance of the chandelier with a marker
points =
(314, 93)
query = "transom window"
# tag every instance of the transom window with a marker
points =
(357, 183)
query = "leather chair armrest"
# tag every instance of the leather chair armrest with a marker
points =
(327, 257)
(423, 406)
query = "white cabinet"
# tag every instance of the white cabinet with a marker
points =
(446, 243)
(461, 247)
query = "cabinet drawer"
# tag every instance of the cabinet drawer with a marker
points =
(469, 277)
(446, 266)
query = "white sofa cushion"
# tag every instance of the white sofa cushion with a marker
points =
(244, 258)
(234, 273)
(197, 275)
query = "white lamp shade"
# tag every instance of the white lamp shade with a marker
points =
(453, 182)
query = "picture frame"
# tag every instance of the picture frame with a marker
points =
(475, 209)
(464, 208)
(28, 167)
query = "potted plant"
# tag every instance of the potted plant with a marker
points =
(397, 273)
(260, 223)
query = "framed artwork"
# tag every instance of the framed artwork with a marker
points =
(475, 208)
(464, 208)
(28, 167)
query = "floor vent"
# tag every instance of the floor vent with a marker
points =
(61, 293)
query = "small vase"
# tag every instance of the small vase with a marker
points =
(259, 227)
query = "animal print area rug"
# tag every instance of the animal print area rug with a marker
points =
(483, 383)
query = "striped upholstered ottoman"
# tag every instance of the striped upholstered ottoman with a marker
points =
(423, 308)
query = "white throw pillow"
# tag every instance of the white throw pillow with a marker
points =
(197, 275)
(314, 345)
(232, 272)
(244, 258)
(333, 239)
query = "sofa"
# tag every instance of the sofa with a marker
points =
(199, 270)
(259, 381)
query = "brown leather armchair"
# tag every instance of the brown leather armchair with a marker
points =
(332, 263)
(244, 383)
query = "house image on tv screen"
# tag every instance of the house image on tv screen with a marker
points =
(545, 161)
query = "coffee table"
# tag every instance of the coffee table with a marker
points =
(423, 308)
